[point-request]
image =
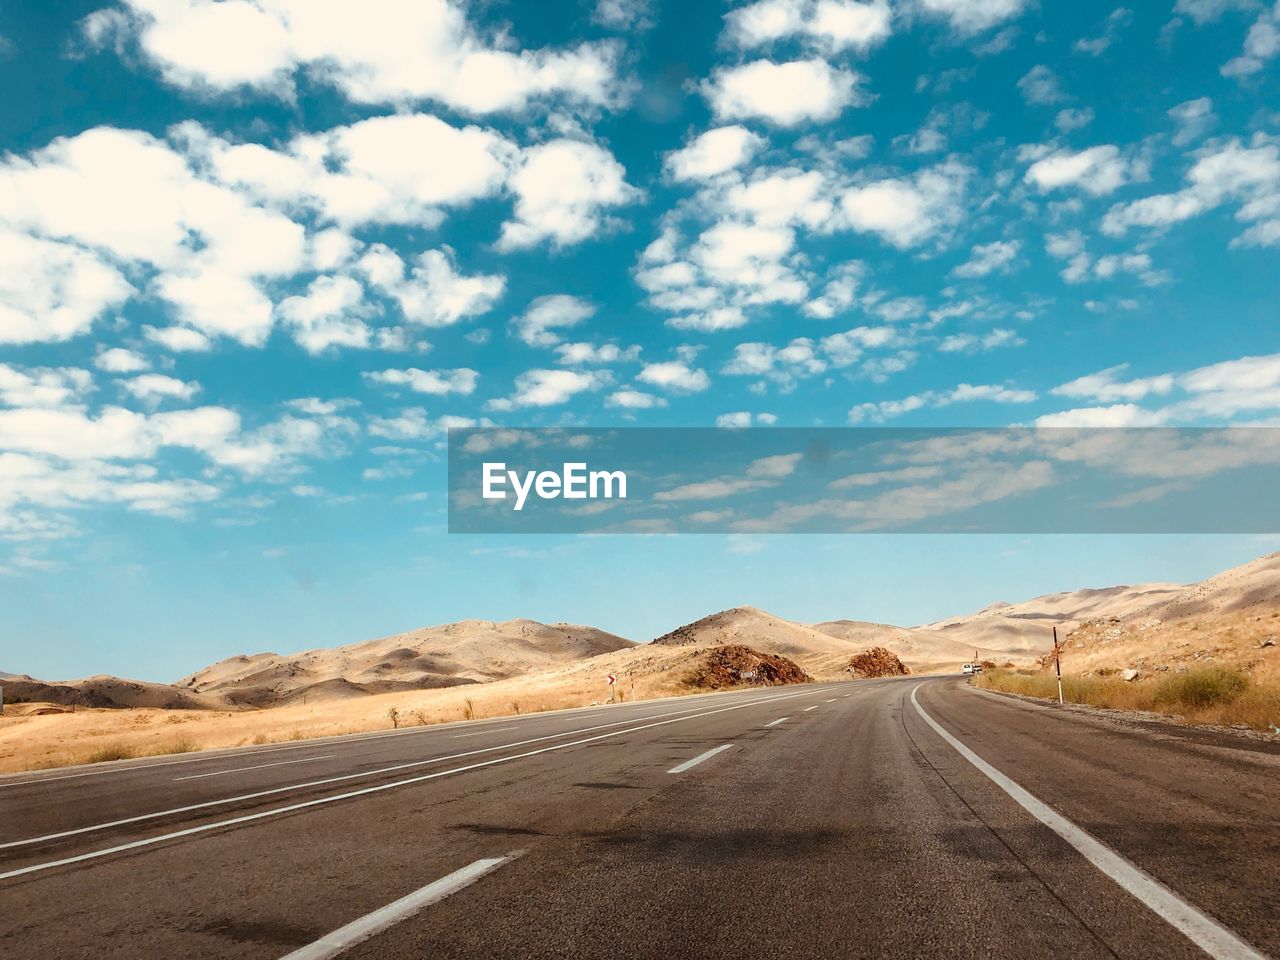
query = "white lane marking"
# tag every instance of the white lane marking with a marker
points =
(774, 723)
(235, 753)
(479, 733)
(814, 707)
(690, 764)
(259, 766)
(833, 700)
(358, 931)
(846, 695)
(365, 791)
(204, 805)
(1206, 933)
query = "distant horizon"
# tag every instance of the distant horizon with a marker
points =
(1200, 557)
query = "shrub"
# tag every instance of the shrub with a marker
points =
(1198, 689)
(110, 751)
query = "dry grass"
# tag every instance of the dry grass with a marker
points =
(1220, 695)
(93, 735)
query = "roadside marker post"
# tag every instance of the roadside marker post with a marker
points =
(613, 693)
(1057, 662)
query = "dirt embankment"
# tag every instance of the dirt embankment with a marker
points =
(734, 665)
(877, 662)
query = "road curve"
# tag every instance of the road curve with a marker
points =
(829, 820)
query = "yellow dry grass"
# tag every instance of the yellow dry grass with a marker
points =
(1217, 669)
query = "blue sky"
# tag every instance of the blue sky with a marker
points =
(255, 258)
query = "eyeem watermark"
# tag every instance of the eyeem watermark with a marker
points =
(573, 482)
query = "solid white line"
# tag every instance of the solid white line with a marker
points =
(481, 733)
(260, 766)
(204, 805)
(690, 764)
(1206, 933)
(365, 791)
(774, 723)
(358, 931)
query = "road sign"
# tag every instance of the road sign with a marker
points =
(612, 679)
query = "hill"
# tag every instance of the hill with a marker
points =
(1020, 629)
(467, 652)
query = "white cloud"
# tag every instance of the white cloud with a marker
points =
(42, 386)
(1223, 172)
(829, 25)
(51, 291)
(674, 375)
(1073, 118)
(546, 388)
(968, 342)
(1040, 86)
(744, 418)
(1116, 415)
(1261, 44)
(394, 169)
(964, 393)
(395, 51)
(623, 14)
(786, 94)
(120, 360)
(330, 314)
(907, 212)
(629, 399)
(564, 190)
(1116, 21)
(178, 339)
(538, 326)
(154, 387)
(1194, 118)
(579, 354)
(987, 258)
(713, 153)
(1097, 170)
(1105, 387)
(435, 294)
(436, 383)
(968, 17)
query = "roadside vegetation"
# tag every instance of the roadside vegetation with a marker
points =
(1216, 695)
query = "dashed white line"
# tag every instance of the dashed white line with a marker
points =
(1205, 932)
(362, 792)
(690, 764)
(326, 781)
(480, 733)
(358, 931)
(774, 723)
(833, 700)
(260, 766)
(814, 707)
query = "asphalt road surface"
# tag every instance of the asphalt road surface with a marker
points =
(887, 818)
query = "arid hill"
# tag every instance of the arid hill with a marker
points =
(1026, 628)
(102, 691)
(468, 652)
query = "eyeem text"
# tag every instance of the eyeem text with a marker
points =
(573, 482)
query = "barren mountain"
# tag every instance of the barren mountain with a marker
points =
(1254, 584)
(471, 651)
(920, 649)
(102, 691)
(1026, 627)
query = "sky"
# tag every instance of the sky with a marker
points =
(257, 256)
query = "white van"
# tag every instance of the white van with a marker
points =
(971, 668)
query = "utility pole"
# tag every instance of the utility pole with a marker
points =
(1057, 662)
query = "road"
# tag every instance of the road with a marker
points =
(911, 817)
